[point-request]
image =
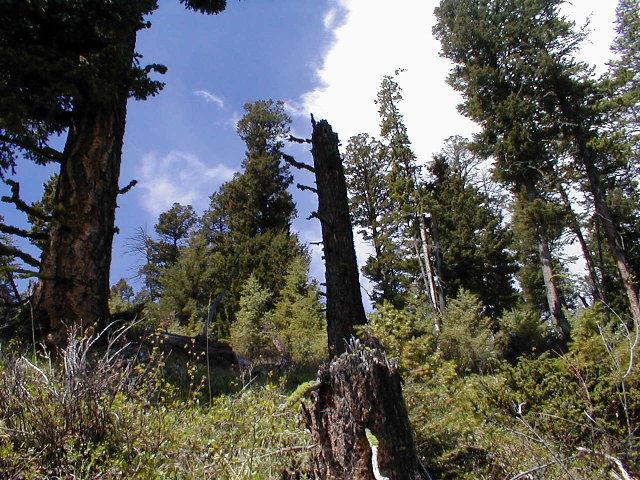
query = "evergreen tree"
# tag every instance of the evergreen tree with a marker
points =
(70, 66)
(366, 170)
(509, 57)
(298, 318)
(245, 232)
(474, 243)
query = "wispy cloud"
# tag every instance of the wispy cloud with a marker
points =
(178, 177)
(210, 97)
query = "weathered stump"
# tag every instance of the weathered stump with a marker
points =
(357, 403)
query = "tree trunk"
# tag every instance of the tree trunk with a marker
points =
(598, 290)
(75, 265)
(344, 300)
(611, 232)
(553, 296)
(546, 265)
(357, 392)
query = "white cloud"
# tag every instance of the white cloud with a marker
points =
(210, 97)
(178, 177)
(372, 40)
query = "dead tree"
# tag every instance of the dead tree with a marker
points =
(358, 420)
(344, 300)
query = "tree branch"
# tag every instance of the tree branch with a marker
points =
(10, 251)
(22, 233)
(47, 152)
(294, 163)
(299, 140)
(20, 204)
(305, 187)
(124, 190)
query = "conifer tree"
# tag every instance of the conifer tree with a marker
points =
(366, 170)
(474, 243)
(506, 56)
(70, 66)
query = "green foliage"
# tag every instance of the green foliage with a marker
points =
(298, 317)
(253, 330)
(70, 423)
(408, 335)
(466, 336)
(473, 242)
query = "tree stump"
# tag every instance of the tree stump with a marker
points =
(357, 404)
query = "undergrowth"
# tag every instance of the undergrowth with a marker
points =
(113, 413)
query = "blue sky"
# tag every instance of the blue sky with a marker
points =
(325, 57)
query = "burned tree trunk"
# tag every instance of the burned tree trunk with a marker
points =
(344, 301)
(358, 420)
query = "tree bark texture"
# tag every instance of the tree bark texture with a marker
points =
(610, 229)
(344, 300)
(546, 265)
(359, 391)
(75, 266)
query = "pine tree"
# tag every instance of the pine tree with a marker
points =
(474, 243)
(509, 57)
(88, 48)
(367, 167)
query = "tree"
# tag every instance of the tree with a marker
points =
(88, 47)
(244, 232)
(366, 166)
(415, 225)
(473, 242)
(507, 56)
(344, 300)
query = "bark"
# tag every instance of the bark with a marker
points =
(344, 300)
(553, 296)
(598, 291)
(357, 392)
(218, 353)
(546, 265)
(75, 267)
(614, 240)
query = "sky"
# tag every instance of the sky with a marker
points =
(325, 57)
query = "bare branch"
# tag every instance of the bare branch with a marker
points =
(131, 184)
(15, 252)
(21, 204)
(294, 163)
(22, 233)
(305, 187)
(299, 140)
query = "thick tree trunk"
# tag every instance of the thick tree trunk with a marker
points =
(344, 300)
(75, 265)
(357, 392)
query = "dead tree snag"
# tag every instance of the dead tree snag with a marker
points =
(344, 301)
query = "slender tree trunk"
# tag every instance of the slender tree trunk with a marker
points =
(574, 225)
(75, 265)
(603, 211)
(546, 265)
(344, 300)
(426, 254)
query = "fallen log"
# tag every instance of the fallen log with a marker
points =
(219, 353)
